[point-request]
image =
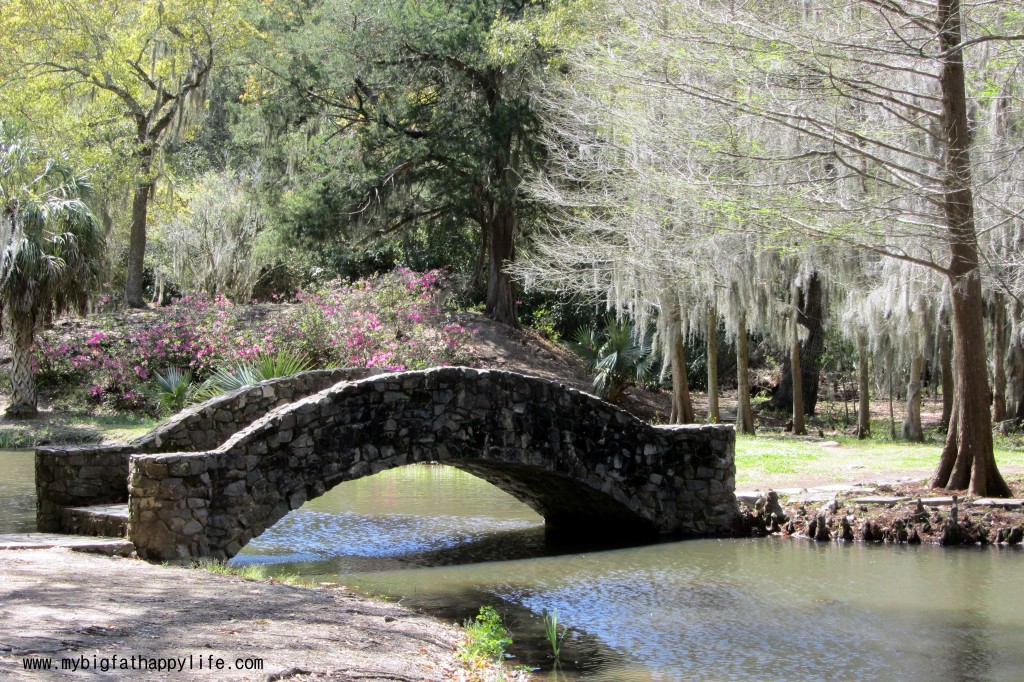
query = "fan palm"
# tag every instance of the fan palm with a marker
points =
(50, 245)
(616, 357)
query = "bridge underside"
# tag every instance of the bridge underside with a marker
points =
(568, 506)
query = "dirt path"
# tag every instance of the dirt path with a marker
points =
(58, 604)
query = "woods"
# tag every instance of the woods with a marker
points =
(811, 181)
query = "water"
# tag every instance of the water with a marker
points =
(774, 609)
(440, 540)
(17, 491)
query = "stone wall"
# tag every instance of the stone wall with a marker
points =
(86, 475)
(583, 464)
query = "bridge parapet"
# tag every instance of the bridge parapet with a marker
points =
(86, 475)
(583, 464)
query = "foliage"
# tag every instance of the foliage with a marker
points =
(407, 124)
(50, 245)
(553, 634)
(390, 321)
(49, 237)
(617, 356)
(219, 241)
(126, 78)
(175, 388)
(225, 379)
(486, 637)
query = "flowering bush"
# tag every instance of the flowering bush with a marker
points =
(389, 321)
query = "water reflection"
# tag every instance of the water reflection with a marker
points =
(713, 610)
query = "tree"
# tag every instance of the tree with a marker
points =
(811, 314)
(431, 128)
(646, 189)
(51, 248)
(872, 145)
(218, 242)
(141, 62)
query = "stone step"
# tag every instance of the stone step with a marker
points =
(79, 543)
(110, 520)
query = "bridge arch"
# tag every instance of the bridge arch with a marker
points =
(581, 463)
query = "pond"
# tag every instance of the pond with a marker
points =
(768, 609)
(445, 542)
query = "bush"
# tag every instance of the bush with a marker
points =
(616, 356)
(486, 637)
(389, 321)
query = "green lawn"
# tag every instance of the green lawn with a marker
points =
(55, 428)
(786, 461)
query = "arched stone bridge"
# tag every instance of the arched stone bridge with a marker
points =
(583, 464)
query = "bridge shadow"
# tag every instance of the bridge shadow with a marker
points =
(520, 543)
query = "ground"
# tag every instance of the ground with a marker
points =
(60, 604)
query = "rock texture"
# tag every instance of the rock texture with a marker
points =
(583, 464)
(88, 475)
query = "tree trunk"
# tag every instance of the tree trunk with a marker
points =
(863, 389)
(970, 442)
(682, 407)
(947, 459)
(946, 360)
(892, 415)
(1015, 390)
(137, 243)
(911, 430)
(811, 313)
(998, 358)
(744, 414)
(712, 340)
(482, 258)
(799, 428)
(21, 333)
(501, 293)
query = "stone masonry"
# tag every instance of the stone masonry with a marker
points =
(91, 475)
(583, 464)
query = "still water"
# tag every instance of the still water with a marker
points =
(17, 491)
(443, 541)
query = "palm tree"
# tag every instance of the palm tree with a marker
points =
(50, 246)
(616, 357)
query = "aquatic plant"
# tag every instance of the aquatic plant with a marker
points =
(554, 635)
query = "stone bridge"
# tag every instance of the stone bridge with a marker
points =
(70, 478)
(584, 465)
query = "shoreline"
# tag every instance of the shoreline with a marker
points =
(145, 621)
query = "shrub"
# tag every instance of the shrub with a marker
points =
(389, 321)
(486, 637)
(616, 356)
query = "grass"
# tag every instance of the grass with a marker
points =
(254, 572)
(784, 460)
(61, 428)
(120, 427)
